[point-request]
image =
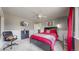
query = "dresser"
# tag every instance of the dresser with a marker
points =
(24, 34)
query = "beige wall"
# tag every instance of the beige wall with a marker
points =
(12, 23)
(77, 22)
(0, 27)
(77, 29)
(1, 14)
(76, 44)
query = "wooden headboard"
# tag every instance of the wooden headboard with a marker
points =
(50, 28)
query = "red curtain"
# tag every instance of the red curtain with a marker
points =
(69, 37)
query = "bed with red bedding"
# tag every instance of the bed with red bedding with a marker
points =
(48, 38)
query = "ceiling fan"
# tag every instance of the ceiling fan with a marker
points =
(39, 15)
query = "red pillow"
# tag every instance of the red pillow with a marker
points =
(43, 31)
(46, 31)
(54, 31)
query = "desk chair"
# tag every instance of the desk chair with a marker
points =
(8, 37)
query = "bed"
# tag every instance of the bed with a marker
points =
(45, 40)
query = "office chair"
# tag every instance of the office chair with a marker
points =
(9, 37)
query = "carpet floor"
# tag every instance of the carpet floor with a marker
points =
(25, 45)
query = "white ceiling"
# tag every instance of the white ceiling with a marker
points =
(30, 12)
